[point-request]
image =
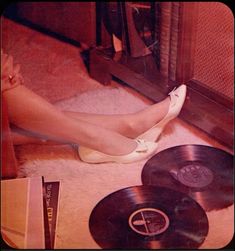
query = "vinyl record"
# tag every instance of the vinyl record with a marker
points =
(148, 217)
(204, 173)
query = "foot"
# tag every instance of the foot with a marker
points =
(118, 146)
(147, 118)
(142, 151)
(177, 98)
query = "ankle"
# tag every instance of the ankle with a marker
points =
(147, 118)
(160, 110)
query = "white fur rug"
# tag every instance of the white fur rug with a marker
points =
(48, 64)
(84, 185)
(106, 100)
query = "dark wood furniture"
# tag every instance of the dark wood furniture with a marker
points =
(204, 108)
(74, 21)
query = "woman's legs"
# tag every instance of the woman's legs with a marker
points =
(129, 125)
(21, 137)
(29, 111)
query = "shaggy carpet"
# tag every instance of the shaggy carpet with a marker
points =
(84, 185)
(55, 71)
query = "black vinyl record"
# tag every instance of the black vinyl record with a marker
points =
(204, 173)
(148, 217)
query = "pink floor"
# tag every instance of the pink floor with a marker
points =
(55, 70)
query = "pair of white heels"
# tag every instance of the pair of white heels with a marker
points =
(146, 145)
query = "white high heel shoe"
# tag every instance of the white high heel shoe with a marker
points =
(177, 97)
(143, 150)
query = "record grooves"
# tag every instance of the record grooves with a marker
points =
(204, 173)
(148, 217)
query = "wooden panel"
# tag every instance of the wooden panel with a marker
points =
(186, 41)
(99, 68)
(75, 20)
(165, 34)
(209, 116)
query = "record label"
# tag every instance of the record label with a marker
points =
(149, 221)
(194, 175)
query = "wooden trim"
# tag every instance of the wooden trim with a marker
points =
(209, 116)
(210, 93)
(188, 14)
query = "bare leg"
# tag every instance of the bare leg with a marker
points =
(129, 125)
(20, 138)
(31, 112)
